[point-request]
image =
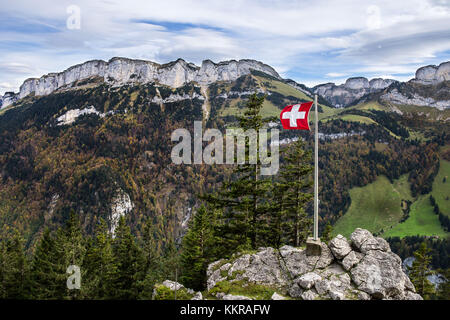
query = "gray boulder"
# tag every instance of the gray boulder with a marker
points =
(309, 295)
(307, 280)
(380, 274)
(339, 246)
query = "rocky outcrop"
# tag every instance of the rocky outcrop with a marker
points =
(430, 88)
(169, 290)
(352, 90)
(120, 71)
(433, 74)
(70, 116)
(8, 99)
(361, 268)
(121, 205)
(397, 97)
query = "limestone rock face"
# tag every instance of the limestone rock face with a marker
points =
(7, 99)
(379, 83)
(361, 268)
(415, 99)
(119, 71)
(357, 83)
(433, 74)
(121, 205)
(352, 90)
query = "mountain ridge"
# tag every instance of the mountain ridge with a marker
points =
(120, 71)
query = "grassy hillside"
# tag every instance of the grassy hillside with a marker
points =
(378, 208)
(422, 221)
(356, 118)
(375, 206)
(287, 95)
(441, 187)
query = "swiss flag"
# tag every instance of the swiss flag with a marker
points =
(296, 116)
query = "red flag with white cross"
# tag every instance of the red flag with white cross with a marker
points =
(296, 116)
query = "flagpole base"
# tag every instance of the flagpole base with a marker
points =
(313, 247)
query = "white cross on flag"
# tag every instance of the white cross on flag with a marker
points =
(296, 116)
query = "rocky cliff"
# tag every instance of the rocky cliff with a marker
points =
(363, 268)
(433, 74)
(119, 71)
(356, 88)
(352, 90)
(429, 88)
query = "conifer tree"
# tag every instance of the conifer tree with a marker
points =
(71, 245)
(420, 271)
(99, 265)
(14, 273)
(129, 261)
(276, 228)
(47, 276)
(195, 250)
(152, 260)
(3, 268)
(170, 261)
(74, 248)
(293, 192)
(244, 199)
(443, 292)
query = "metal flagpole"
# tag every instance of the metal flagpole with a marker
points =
(316, 170)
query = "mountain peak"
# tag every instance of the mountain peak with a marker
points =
(353, 89)
(432, 74)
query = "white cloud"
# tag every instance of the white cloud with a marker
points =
(304, 40)
(335, 74)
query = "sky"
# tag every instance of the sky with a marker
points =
(311, 42)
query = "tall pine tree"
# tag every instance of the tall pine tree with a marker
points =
(153, 264)
(129, 261)
(48, 279)
(195, 250)
(99, 265)
(72, 243)
(292, 193)
(243, 199)
(14, 272)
